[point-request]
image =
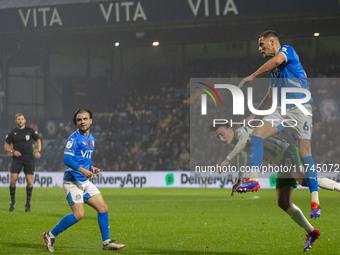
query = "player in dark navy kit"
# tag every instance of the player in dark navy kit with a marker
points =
(286, 71)
(78, 189)
(19, 142)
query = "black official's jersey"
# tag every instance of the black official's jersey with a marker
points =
(23, 140)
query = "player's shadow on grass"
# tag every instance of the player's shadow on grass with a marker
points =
(186, 252)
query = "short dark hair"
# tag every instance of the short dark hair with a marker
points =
(19, 114)
(81, 111)
(214, 128)
(269, 33)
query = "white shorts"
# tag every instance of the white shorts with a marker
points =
(79, 192)
(304, 123)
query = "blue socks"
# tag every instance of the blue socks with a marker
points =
(310, 173)
(103, 222)
(64, 224)
(256, 152)
(68, 220)
(256, 156)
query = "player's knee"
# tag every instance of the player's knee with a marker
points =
(12, 182)
(255, 133)
(101, 207)
(284, 204)
(104, 208)
(304, 150)
(259, 133)
(302, 182)
(79, 215)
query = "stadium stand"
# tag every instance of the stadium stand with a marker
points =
(149, 129)
(139, 93)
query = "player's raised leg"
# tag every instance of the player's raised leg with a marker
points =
(323, 182)
(98, 203)
(256, 145)
(299, 175)
(256, 154)
(310, 176)
(328, 184)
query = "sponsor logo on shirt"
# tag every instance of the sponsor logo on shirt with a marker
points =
(87, 153)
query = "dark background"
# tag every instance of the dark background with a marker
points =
(57, 56)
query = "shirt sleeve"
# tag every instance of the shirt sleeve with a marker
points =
(70, 147)
(93, 143)
(35, 135)
(70, 162)
(286, 51)
(242, 138)
(9, 138)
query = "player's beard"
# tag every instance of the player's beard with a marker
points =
(21, 125)
(84, 129)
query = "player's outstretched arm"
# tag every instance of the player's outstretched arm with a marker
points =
(245, 80)
(265, 104)
(233, 190)
(270, 65)
(239, 147)
(225, 163)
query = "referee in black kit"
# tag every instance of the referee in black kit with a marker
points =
(22, 138)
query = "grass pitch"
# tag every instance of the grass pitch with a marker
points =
(171, 221)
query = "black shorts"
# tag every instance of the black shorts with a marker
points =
(17, 165)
